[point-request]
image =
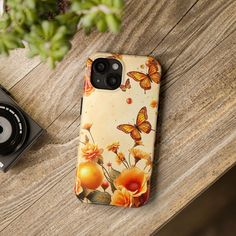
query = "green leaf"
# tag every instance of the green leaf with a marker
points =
(101, 25)
(113, 23)
(118, 4)
(107, 2)
(88, 20)
(83, 194)
(47, 26)
(99, 197)
(113, 174)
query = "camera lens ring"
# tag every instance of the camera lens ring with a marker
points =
(113, 81)
(15, 132)
(100, 66)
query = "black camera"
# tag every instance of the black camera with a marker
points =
(106, 73)
(17, 130)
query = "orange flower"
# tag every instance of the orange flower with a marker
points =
(120, 158)
(141, 200)
(122, 198)
(88, 87)
(153, 104)
(134, 180)
(91, 152)
(138, 143)
(89, 64)
(139, 154)
(113, 147)
(78, 187)
(87, 126)
(149, 162)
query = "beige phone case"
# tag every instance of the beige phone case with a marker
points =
(117, 135)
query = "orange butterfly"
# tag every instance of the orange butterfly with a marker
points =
(142, 125)
(125, 86)
(145, 80)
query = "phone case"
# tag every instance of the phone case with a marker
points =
(117, 135)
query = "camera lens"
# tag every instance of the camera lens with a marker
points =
(100, 66)
(13, 129)
(5, 129)
(113, 81)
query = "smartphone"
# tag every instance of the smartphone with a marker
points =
(118, 129)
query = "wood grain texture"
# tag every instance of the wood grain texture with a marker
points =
(195, 43)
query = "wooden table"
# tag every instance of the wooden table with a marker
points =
(195, 40)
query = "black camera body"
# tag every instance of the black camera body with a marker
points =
(17, 131)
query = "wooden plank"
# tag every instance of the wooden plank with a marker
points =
(197, 123)
(15, 67)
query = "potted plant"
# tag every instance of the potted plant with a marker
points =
(46, 27)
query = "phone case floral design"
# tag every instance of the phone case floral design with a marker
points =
(117, 135)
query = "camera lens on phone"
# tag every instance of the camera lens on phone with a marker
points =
(113, 81)
(100, 66)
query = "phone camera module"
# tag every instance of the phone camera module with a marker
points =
(106, 73)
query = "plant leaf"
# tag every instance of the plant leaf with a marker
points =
(99, 197)
(113, 174)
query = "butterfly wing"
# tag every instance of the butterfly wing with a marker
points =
(142, 78)
(137, 76)
(123, 88)
(145, 84)
(126, 128)
(130, 129)
(142, 116)
(135, 134)
(153, 72)
(151, 60)
(127, 84)
(145, 127)
(142, 123)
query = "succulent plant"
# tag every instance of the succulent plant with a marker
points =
(46, 27)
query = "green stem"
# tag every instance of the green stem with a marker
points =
(82, 142)
(127, 163)
(106, 173)
(129, 160)
(91, 136)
